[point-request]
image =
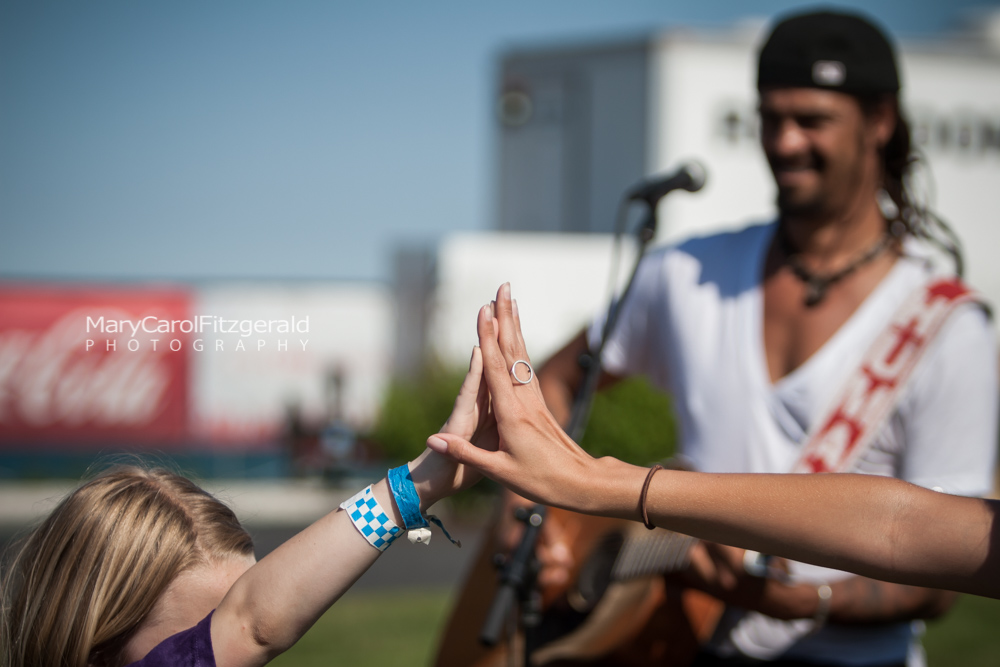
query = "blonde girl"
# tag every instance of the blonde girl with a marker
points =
(141, 566)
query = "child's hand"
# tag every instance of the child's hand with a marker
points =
(471, 412)
(436, 476)
(535, 458)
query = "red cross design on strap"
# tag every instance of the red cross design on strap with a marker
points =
(949, 290)
(871, 395)
(815, 461)
(905, 336)
(876, 381)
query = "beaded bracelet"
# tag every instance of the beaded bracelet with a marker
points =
(370, 519)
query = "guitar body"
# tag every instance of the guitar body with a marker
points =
(610, 612)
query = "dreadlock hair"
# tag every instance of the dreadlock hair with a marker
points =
(899, 164)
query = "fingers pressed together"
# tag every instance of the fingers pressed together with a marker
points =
(532, 455)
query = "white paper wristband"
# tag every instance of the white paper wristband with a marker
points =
(370, 519)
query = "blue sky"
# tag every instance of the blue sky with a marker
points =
(188, 140)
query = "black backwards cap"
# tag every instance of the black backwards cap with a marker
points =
(828, 50)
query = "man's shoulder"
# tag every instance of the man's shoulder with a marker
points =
(721, 246)
(725, 263)
(730, 259)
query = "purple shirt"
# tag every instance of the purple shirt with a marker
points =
(189, 648)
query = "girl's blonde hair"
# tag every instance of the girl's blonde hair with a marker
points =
(83, 581)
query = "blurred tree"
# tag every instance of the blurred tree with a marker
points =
(631, 421)
(413, 410)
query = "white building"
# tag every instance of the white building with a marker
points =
(580, 125)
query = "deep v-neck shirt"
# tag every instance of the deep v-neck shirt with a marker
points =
(693, 323)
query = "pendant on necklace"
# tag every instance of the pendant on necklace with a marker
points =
(815, 291)
(817, 285)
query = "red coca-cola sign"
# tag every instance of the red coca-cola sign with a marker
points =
(93, 366)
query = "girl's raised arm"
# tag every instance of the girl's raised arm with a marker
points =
(273, 604)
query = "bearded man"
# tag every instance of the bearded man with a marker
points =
(754, 332)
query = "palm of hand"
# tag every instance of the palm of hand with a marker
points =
(472, 419)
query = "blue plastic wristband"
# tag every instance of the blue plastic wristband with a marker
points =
(407, 500)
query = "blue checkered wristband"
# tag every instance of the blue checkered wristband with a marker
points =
(408, 502)
(370, 519)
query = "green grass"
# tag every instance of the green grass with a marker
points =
(386, 629)
(381, 629)
(968, 636)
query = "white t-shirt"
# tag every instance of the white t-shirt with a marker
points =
(693, 323)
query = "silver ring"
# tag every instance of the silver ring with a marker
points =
(531, 371)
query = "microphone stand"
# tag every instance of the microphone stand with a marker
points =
(518, 585)
(518, 578)
(589, 361)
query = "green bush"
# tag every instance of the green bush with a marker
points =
(411, 411)
(631, 420)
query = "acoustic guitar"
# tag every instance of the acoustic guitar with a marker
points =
(616, 609)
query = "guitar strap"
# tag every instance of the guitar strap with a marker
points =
(848, 427)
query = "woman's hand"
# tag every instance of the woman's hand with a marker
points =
(436, 476)
(534, 458)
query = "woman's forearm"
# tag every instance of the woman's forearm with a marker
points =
(878, 527)
(874, 526)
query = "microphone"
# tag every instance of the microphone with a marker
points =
(690, 176)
